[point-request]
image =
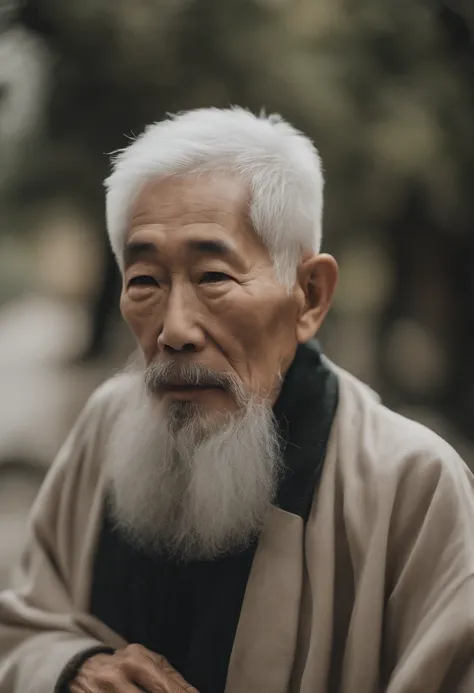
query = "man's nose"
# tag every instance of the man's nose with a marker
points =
(180, 331)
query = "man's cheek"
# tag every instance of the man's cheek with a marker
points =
(146, 333)
(258, 324)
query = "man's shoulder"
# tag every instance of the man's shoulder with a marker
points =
(112, 392)
(387, 444)
(107, 402)
(84, 451)
(389, 469)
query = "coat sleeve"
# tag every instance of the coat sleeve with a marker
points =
(41, 627)
(430, 615)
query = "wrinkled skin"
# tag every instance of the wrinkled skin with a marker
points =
(127, 671)
(199, 286)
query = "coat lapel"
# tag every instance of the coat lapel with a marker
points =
(265, 643)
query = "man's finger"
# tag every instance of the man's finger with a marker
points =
(109, 680)
(161, 662)
(155, 675)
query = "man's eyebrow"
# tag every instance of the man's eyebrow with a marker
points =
(138, 250)
(218, 248)
(211, 247)
(134, 250)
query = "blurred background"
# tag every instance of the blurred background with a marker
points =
(385, 89)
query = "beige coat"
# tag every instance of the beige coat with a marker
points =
(376, 594)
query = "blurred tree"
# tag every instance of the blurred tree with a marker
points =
(385, 88)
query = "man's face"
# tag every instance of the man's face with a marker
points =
(200, 293)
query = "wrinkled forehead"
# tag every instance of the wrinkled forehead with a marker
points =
(198, 198)
(202, 209)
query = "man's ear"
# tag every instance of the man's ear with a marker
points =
(317, 277)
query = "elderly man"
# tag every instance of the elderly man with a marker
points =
(233, 512)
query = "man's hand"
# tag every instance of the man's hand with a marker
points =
(127, 671)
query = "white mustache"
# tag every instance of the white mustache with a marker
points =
(160, 375)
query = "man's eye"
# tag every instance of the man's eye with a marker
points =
(143, 280)
(214, 277)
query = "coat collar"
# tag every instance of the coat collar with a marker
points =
(264, 648)
(305, 411)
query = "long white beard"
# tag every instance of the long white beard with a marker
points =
(187, 490)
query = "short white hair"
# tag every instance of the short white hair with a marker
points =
(280, 165)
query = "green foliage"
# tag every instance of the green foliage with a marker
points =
(386, 96)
